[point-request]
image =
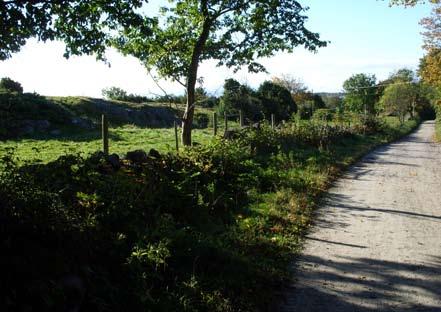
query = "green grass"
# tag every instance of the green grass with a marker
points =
(122, 140)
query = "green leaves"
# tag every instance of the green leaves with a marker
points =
(361, 93)
(85, 26)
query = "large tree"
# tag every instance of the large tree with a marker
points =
(360, 93)
(430, 68)
(235, 33)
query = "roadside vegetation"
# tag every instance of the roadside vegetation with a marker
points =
(211, 229)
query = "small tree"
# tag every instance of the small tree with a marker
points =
(114, 93)
(399, 99)
(10, 85)
(276, 100)
(360, 93)
(238, 97)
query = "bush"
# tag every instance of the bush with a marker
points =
(200, 121)
(323, 115)
(118, 94)
(10, 85)
(276, 100)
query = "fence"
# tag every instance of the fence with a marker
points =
(239, 117)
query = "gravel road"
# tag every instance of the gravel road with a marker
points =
(376, 242)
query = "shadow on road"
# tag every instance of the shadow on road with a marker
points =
(380, 281)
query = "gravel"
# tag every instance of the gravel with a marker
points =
(376, 242)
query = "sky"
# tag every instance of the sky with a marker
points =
(366, 36)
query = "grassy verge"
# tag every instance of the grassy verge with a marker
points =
(211, 229)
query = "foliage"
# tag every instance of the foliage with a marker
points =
(360, 93)
(400, 100)
(238, 97)
(118, 94)
(276, 100)
(211, 229)
(84, 26)
(292, 84)
(233, 33)
(323, 114)
(10, 85)
(430, 68)
(432, 26)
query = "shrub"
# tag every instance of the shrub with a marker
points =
(200, 121)
(10, 85)
(118, 94)
(276, 100)
(323, 115)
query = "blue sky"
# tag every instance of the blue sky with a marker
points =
(366, 36)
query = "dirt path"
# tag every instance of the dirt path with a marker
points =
(376, 245)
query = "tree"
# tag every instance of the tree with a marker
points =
(403, 75)
(86, 26)
(291, 83)
(430, 68)
(411, 2)
(10, 85)
(276, 100)
(187, 32)
(114, 93)
(233, 32)
(399, 99)
(360, 93)
(431, 24)
(240, 97)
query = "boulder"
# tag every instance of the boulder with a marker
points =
(113, 160)
(154, 153)
(138, 156)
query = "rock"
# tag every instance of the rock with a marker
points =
(82, 123)
(113, 160)
(31, 126)
(256, 126)
(138, 156)
(154, 153)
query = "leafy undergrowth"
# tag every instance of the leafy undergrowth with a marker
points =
(211, 229)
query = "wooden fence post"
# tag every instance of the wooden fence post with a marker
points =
(226, 122)
(273, 121)
(105, 134)
(176, 137)
(214, 123)
(241, 119)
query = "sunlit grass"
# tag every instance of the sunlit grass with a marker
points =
(122, 140)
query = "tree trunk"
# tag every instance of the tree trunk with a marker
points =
(187, 120)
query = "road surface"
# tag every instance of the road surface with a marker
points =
(376, 242)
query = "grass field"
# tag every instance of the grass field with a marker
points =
(46, 148)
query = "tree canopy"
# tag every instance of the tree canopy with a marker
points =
(399, 99)
(360, 93)
(234, 33)
(86, 26)
(430, 68)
